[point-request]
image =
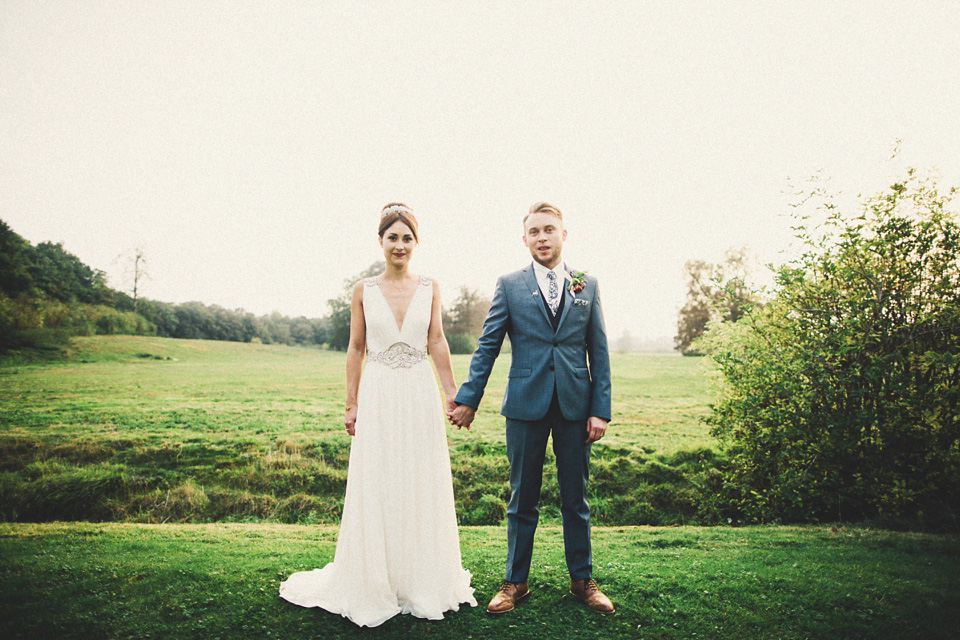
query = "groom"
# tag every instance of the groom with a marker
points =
(555, 325)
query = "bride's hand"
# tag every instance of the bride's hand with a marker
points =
(451, 410)
(350, 420)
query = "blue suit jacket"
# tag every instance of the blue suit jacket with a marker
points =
(574, 359)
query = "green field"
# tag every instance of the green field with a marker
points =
(187, 457)
(145, 429)
(220, 581)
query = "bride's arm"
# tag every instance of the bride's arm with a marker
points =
(355, 351)
(440, 350)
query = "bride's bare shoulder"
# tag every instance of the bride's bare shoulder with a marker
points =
(360, 285)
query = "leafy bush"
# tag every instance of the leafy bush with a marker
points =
(840, 398)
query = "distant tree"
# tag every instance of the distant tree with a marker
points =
(162, 314)
(16, 289)
(123, 302)
(277, 328)
(136, 272)
(302, 331)
(840, 399)
(254, 328)
(321, 330)
(101, 293)
(338, 336)
(625, 343)
(14, 262)
(463, 320)
(228, 324)
(715, 292)
(60, 275)
(467, 313)
(195, 321)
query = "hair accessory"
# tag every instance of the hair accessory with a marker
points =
(394, 208)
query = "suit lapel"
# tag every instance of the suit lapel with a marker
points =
(531, 280)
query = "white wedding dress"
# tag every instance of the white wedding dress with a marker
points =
(398, 549)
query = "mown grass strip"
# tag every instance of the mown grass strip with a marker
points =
(77, 580)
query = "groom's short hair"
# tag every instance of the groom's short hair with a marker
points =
(543, 207)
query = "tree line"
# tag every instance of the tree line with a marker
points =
(462, 319)
(47, 294)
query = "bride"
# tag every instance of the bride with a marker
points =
(398, 549)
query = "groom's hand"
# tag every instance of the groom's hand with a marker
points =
(596, 428)
(462, 416)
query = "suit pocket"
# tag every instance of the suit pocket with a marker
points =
(518, 373)
(581, 372)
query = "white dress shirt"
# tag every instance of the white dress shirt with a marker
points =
(544, 282)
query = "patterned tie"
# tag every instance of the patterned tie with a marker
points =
(553, 296)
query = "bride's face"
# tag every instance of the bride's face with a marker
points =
(398, 244)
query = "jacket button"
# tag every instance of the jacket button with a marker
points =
(555, 343)
(551, 367)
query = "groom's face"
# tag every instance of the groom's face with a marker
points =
(543, 235)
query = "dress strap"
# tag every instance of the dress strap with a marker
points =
(425, 281)
(370, 282)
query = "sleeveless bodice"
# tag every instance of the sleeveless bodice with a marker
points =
(388, 344)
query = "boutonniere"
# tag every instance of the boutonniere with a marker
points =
(577, 282)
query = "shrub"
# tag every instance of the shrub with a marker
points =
(840, 398)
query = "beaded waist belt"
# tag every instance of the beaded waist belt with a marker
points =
(400, 354)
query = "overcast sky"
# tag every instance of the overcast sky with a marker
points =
(248, 147)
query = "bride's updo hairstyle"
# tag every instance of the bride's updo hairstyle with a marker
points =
(397, 211)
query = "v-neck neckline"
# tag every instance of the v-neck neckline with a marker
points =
(406, 312)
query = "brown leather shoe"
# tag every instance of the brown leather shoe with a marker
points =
(588, 591)
(507, 598)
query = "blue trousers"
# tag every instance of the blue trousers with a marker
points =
(526, 450)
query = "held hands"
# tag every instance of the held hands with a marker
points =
(449, 407)
(460, 415)
(596, 429)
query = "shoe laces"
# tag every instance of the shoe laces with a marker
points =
(507, 585)
(589, 586)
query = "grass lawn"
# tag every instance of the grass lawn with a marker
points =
(192, 455)
(142, 429)
(166, 390)
(78, 580)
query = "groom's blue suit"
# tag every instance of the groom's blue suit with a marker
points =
(559, 376)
